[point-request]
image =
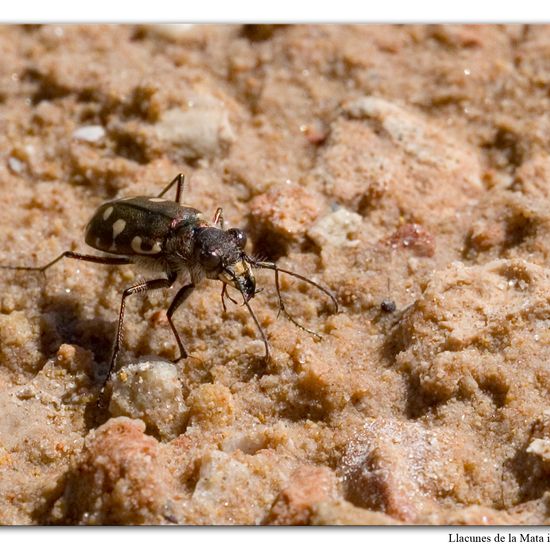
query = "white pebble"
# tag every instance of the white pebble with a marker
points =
(336, 229)
(15, 165)
(89, 133)
(150, 391)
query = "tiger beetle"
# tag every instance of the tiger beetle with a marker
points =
(176, 240)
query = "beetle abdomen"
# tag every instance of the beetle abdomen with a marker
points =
(136, 226)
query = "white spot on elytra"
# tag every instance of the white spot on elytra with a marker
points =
(118, 228)
(108, 212)
(156, 199)
(136, 247)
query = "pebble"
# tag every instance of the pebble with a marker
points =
(150, 391)
(90, 134)
(336, 229)
(15, 165)
(202, 131)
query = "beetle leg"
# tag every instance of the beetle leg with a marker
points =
(223, 297)
(225, 293)
(180, 181)
(180, 297)
(258, 326)
(218, 218)
(74, 256)
(140, 287)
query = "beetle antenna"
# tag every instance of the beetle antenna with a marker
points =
(273, 266)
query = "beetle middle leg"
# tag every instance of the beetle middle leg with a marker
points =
(180, 181)
(155, 284)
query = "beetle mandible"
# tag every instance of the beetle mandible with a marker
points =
(175, 240)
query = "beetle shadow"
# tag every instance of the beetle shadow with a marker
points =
(61, 322)
(256, 367)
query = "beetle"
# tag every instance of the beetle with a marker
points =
(175, 240)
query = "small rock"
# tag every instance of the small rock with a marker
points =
(337, 229)
(541, 448)
(399, 468)
(415, 238)
(15, 165)
(150, 391)
(341, 512)
(89, 133)
(308, 486)
(115, 480)
(201, 131)
(225, 480)
(285, 210)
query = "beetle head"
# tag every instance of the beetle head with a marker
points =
(221, 255)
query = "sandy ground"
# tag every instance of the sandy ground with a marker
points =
(404, 164)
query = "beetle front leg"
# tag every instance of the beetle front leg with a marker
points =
(182, 295)
(225, 293)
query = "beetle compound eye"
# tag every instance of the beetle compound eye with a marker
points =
(239, 236)
(210, 259)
